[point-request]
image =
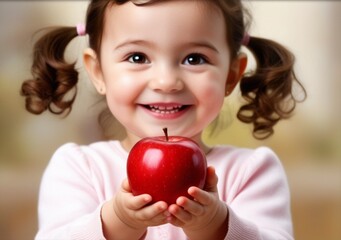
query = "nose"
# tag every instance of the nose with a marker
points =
(167, 79)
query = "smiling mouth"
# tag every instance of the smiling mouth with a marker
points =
(164, 109)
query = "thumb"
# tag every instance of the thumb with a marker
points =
(211, 180)
(126, 186)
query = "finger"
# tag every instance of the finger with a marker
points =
(193, 207)
(201, 196)
(158, 219)
(152, 211)
(179, 215)
(138, 202)
(211, 180)
(126, 186)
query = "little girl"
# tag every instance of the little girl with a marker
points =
(165, 63)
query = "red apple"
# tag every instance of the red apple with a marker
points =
(165, 167)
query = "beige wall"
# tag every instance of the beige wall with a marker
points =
(308, 144)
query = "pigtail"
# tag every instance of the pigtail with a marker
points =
(53, 78)
(269, 90)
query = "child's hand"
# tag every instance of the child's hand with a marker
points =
(204, 215)
(134, 212)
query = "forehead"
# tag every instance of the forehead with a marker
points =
(164, 18)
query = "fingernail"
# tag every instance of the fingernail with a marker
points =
(147, 198)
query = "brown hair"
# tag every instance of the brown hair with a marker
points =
(268, 91)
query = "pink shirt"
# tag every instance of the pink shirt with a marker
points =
(79, 179)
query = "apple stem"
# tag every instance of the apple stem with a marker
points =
(165, 130)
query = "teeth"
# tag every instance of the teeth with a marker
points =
(164, 109)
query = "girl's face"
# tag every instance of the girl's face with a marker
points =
(163, 65)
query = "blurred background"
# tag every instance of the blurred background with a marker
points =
(308, 144)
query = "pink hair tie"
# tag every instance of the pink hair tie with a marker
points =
(246, 39)
(81, 29)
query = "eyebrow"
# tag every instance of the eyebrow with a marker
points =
(204, 44)
(132, 42)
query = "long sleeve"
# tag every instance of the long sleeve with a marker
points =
(68, 204)
(257, 195)
(75, 184)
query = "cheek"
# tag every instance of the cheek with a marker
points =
(212, 100)
(211, 88)
(210, 95)
(121, 88)
(118, 101)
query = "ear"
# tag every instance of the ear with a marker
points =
(94, 70)
(237, 69)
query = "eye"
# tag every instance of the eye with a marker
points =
(138, 58)
(195, 59)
